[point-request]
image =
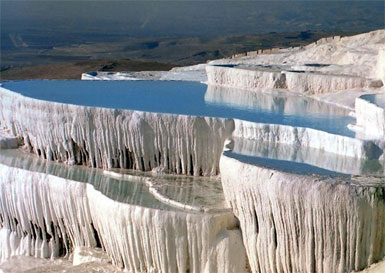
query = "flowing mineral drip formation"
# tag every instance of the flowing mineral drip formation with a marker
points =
(46, 216)
(293, 223)
(324, 220)
(42, 215)
(111, 138)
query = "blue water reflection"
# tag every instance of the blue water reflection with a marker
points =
(191, 98)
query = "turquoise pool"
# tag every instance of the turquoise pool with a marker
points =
(189, 98)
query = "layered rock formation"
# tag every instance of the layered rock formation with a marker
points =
(295, 223)
(326, 66)
(244, 78)
(44, 215)
(289, 222)
(308, 223)
(112, 138)
(295, 153)
(307, 137)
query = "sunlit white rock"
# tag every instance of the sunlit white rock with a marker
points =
(370, 116)
(380, 70)
(244, 78)
(307, 137)
(187, 73)
(318, 83)
(46, 216)
(328, 65)
(113, 138)
(296, 223)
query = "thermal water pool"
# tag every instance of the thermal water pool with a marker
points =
(377, 99)
(48, 209)
(302, 160)
(88, 134)
(131, 190)
(190, 98)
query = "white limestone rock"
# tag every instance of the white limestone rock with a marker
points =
(47, 216)
(186, 73)
(292, 223)
(307, 137)
(318, 83)
(327, 66)
(167, 241)
(370, 117)
(380, 70)
(305, 82)
(42, 215)
(112, 138)
(244, 78)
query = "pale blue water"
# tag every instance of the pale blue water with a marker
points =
(285, 165)
(120, 190)
(302, 160)
(377, 99)
(366, 167)
(187, 98)
(130, 192)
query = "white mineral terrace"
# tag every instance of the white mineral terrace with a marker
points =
(187, 73)
(322, 67)
(370, 113)
(295, 158)
(184, 135)
(280, 162)
(48, 208)
(301, 223)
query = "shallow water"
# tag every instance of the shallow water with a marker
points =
(186, 190)
(377, 99)
(191, 98)
(302, 160)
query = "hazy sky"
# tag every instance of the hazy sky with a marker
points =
(189, 18)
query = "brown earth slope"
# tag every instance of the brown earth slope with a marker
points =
(74, 70)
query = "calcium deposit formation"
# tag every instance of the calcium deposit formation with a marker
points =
(160, 192)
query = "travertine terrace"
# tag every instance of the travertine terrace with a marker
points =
(295, 198)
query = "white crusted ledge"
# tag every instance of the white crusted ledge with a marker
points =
(296, 223)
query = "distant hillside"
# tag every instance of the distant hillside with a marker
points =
(74, 70)
(135, 54)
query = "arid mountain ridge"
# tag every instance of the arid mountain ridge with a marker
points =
(25, 61)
